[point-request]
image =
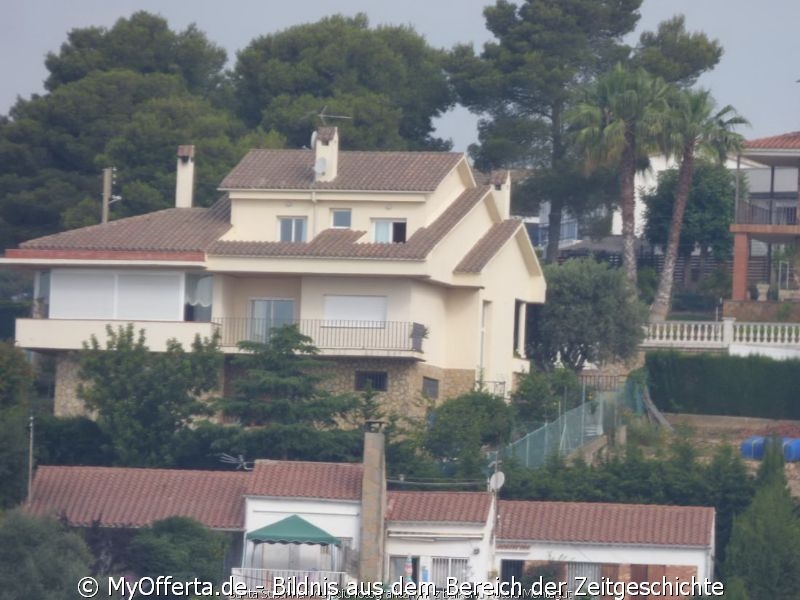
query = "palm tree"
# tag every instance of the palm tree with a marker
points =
(694, 129)
(620, 122)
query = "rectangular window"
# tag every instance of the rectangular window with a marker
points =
(389, 231)
(577, 573)
(341, 218)
(136, 296)
(267, 314)
(377, 381)
(358, 311)
(442, 568)
(292, 229)
(430, 387)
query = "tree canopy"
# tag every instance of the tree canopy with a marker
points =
(144, 398)
(386, 80)
(39, 558)
(709, 211)
(525, 79)
(589, 316)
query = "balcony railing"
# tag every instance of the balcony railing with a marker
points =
(332, 336)
(767, 212)
(315, 583)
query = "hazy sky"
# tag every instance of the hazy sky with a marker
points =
(758, 73)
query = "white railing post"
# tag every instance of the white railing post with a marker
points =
(727, 331)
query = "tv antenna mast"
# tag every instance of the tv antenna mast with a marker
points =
(323, 114)
(239, 461)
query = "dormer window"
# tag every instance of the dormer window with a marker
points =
(292, 229)
(389, 231)
(341, 218)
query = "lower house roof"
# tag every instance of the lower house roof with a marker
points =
(438, 507)
(131, 498)
(603, 523)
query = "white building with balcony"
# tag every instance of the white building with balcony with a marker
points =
(408, 275)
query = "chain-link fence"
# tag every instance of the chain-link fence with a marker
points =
(576, 427)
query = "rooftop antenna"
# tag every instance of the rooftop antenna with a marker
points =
(109, 179)
(239, 461)
(323, 114)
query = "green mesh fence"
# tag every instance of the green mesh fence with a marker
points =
(578, 426)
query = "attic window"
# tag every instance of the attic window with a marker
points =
(390, 231)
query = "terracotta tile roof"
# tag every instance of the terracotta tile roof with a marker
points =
(438, 507)
(173, 230)
(117, 497)
(485, 248)
(302, 479)
(599, 523)
(786, 141)
(343, 243)
(369, 171)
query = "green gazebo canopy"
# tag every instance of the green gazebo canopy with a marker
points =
(293, 530)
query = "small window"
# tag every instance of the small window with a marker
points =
(388, 231)
(377, 381)
(430, 387)
(341, 218)
(292, 229)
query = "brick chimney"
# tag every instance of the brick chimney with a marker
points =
(184, 180)
(373, 503)
(326, 154)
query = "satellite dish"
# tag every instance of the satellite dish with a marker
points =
(320, 165)
(496, 481)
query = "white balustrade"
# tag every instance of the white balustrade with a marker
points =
(719, 334)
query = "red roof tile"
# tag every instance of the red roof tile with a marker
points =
(786, 141)
(123, 497)
(485, 248)
(368, 171)
(170, 230)
(302, 479)
(343, 243)
(438, 507)
(599, 523)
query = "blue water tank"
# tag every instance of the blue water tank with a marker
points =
(753, 447)
(791, 449)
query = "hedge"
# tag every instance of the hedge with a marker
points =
(709, 384)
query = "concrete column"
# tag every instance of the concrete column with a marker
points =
(373, 504)
(727, 331)
(741, 257)
(521, 333)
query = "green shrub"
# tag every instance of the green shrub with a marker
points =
(751, 386)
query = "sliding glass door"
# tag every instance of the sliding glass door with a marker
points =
(268, 313)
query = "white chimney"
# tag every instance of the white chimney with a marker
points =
(184, 180)
(326, 154)
(501, 187)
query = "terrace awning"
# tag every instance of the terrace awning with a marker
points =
(293, 530)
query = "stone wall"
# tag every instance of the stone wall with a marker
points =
(66, 400)
(760, 312)
(404, 394)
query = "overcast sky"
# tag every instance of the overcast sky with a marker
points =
(758, 73)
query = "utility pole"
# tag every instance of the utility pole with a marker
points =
(107, 177)
(30, 456)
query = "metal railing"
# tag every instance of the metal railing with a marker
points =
(264, 580)
(767, 212)
(330, 335)
(577, 427)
